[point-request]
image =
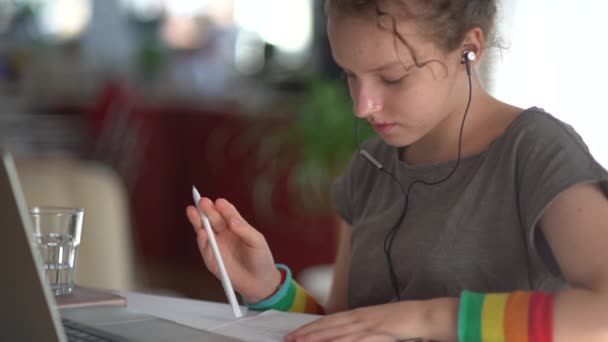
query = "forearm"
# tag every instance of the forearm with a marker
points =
(441, 319)
(578, 315)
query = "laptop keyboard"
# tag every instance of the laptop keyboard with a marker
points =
(77, 332)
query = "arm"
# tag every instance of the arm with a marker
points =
(576, 227)
(339, 290)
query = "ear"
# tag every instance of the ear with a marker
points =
(474, 40)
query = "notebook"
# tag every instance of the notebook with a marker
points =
(29, 310)
(84, 296)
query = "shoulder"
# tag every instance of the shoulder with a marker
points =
(536, 136)
(548, 156)
(534, 125)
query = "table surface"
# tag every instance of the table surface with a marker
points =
(264, 326)
(195, 313)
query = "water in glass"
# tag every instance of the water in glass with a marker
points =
(58, 253)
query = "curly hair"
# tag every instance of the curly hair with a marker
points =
(443, 22)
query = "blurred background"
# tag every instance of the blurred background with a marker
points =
(120, 106)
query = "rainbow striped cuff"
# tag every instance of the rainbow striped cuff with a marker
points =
(289, 297)
(505, 317)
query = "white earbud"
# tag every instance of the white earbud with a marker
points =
(468, 56)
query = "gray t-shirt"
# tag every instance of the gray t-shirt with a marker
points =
(476, 230)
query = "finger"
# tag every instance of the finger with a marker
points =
(194, 218)
(238, 225)
(325, 322)
(227, 210)
(246, 233)
(201, 238)
(206, 251)
(345, 332)
(218, 224)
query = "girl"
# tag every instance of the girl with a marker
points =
(466, 218)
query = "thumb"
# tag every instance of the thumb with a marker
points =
(245, 232)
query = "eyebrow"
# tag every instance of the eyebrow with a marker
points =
(389, 65)
(382, 67)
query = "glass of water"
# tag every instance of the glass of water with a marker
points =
(57, 234)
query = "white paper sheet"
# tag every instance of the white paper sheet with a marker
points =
(197, 314)
(269, 326)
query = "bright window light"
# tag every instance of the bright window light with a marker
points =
(557, 65)
(249, 56)
(285, 24)
(65, 19)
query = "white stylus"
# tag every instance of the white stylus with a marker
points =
(218, 257)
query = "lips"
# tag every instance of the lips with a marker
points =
(383, 128)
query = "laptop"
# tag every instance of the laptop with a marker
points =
(28, 307)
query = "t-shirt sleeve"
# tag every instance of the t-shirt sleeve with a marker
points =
(552, 157)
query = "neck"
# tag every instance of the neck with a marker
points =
(441, 144)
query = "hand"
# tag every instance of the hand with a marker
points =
(387, 322)
(401, 321)
(245, 252)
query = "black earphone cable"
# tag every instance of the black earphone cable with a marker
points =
(389, 238)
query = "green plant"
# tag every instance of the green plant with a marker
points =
(311, 152)
(324, 136)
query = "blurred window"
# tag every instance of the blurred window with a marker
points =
(64, 19)
(557, 65)
(55, 20)
(263, 32)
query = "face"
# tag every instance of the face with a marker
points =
(404, 103)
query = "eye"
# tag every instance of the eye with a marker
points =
(392, 81)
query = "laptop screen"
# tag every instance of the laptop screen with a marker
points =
(26, 299)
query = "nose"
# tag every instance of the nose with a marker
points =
(365, 102)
